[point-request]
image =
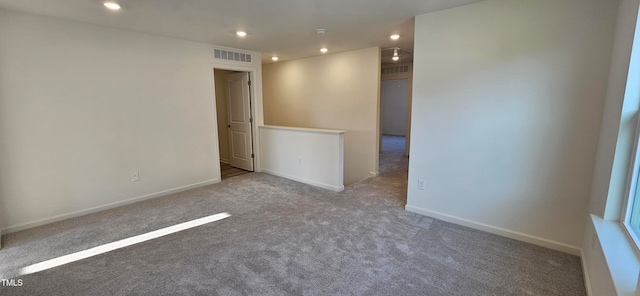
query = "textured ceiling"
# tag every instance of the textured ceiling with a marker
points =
(285, 28)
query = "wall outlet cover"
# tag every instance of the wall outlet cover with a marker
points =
(421, 184)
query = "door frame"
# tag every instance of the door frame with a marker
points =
(255, 73)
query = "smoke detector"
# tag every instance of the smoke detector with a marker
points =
(321, 31)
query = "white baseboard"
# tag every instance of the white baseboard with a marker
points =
(302, 180)
(585, 274)
(224, 160)
(360, 181)
(374, 174)
(116, 204)
(558, 246)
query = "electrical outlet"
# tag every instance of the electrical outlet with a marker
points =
(135, 176)
(421, 184)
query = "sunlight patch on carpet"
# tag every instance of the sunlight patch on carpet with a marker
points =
(73, 257)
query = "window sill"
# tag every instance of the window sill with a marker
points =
(620, 254)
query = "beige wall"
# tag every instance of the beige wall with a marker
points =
(507, 101)
(336, 91)
(221, 109)
(83, 106)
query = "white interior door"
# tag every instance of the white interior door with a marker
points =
(239, 118)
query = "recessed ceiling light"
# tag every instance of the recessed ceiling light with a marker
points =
(324, 49)
(395, 36)
(112, 5)
(241, 33)
(274, 58)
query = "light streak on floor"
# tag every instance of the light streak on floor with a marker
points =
(73, 257)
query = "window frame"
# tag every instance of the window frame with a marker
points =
(632, 187)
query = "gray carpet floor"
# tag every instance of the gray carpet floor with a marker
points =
(287, 238)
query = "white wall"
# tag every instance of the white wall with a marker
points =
(312, 156)
(83, 106)
(394, 101)
(336, 91)
(507, 96)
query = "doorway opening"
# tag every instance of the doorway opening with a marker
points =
(395, 114)
(395, 94)
(235, 122)
(395, 109)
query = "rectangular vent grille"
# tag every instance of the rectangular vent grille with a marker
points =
(398, 69)
(228, 55)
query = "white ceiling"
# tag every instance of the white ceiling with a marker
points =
(285, 28)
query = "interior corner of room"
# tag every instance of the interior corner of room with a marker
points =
(520, 120)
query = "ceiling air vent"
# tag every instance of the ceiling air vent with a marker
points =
(223, 54)
(396, 69)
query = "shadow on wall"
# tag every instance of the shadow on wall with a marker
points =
(4, 160)
(3, 212)
(4, 167)
(393, 109)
